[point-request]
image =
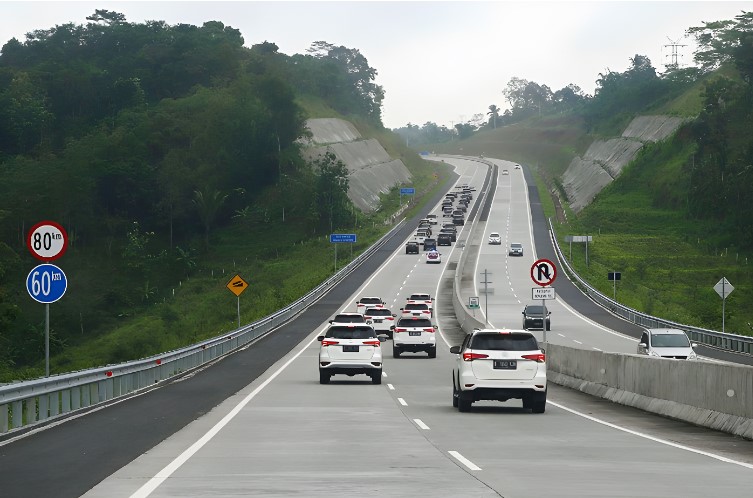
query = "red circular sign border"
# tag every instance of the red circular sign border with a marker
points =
(54, 224)
(536, 263)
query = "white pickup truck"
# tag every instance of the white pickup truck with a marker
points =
(420, 236)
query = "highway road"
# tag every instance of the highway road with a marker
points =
(285, 434)
(258, 423)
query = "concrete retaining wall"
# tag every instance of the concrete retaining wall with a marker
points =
(714, 395)
(604, 161)
(371, 170)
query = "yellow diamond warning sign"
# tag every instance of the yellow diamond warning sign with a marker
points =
(237, 285)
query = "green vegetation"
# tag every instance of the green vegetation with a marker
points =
(171, 156)
(679, 217)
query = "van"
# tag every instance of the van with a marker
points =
(667, 343)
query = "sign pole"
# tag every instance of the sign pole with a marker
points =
(335, 257)
(47, 340)
(614, 281)
(724, 300)
(239, 311)
(543, 323)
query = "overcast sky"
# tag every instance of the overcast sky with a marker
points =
(437, 61)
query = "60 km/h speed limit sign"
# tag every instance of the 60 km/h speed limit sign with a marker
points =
(543, 272)
(47, 240)
(46, 283)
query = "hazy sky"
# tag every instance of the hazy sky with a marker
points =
(437, 61)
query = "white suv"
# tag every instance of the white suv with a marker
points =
(667, 343)
(494, 364)
(382, 319)
(350, 349)
(422, 297)
(414, 334)
(417, 309)
(368, 302)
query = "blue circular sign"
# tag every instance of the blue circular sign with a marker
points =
(46, 283)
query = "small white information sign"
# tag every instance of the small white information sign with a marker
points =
(723, 288)
(545, 293)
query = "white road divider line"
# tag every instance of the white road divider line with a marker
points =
(421, 424)
(391, 387)
(384, 374)
(402, 401)
(460, 458)
(597, 349)
(561, 335)
(577, 341)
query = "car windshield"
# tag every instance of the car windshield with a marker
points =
(534, 310)
(414, 322)
(370, 300)
(349, 319)
(378, 312)
(351, 333)
(494, 234)
(504, 342)
(420, 297)
(416, 306)
(516, 246)
(670, 341)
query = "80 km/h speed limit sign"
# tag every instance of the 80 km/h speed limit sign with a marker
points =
(47, 240)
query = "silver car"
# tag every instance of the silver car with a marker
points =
(667, 343)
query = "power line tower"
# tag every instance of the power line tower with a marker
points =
(674, 45)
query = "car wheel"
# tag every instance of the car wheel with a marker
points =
(395, 351)
(376, 377)
(464, 403)
(527, 403)
(433, 352)
(538, 406)
(548, 326)
(324, 377)
(454, 394)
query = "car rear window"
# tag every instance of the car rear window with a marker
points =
(349, 318)
(420, 297)
(504, 342)
(534, 310)
(350, 332)
(370, 300)
(378, 312)
(416, 306)
(414, 322)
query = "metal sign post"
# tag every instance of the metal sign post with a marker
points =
(724, 289)
(486, 283)
(337, 238)
(614, 276)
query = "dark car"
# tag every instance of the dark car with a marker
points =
(458, 220)
(430, 244)
(444, 239)
(412, 248)
(533, 317)
(453, 234)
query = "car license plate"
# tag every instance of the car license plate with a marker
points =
(506, 364)
(350, 349)
(414, 333)
(378, 321)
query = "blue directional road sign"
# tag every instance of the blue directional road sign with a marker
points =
(46, 283)
(342, 237)
(407, 190)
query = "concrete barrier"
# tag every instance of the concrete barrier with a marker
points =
(714, 395)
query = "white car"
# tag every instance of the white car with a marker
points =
(516, 249)
(420, 236)
(368, 302)
(495, 238)
(433, 257)
(346, 317)
(381, 319)
(422, 297)
(432, 218)
(350, 350)
(499, 364)
(667, 343)
(420, 310)
(414, 334)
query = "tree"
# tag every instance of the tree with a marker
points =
(208, 203)
(332, 203)
(724, 41)
(494, 114)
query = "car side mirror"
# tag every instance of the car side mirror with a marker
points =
(455, 350)
(331, 321)
(392, 327)
(369, 322)
(401, 309)
(693, 345)
(642, 345)
(320, 338)
(394, 315)
(436, 327)
(382, 338)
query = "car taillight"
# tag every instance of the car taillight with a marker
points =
(325, 342)
(538, 357)
(371, 343)
(390, 318)
(400, 330)
(474, 356)
(430, 329)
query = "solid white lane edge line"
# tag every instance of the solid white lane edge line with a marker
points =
(153, 483)
(391, 387)
(420, 423)
(460, 458)
(402, 401)
(652, 438)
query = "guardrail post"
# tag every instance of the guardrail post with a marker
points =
(17, 412)
(43, 406)
(4, 418)
(54, 402)
(31, 410)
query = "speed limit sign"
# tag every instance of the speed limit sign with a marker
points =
(47, 240)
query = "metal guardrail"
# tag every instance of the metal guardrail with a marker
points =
(27, 403)
(719, 340)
